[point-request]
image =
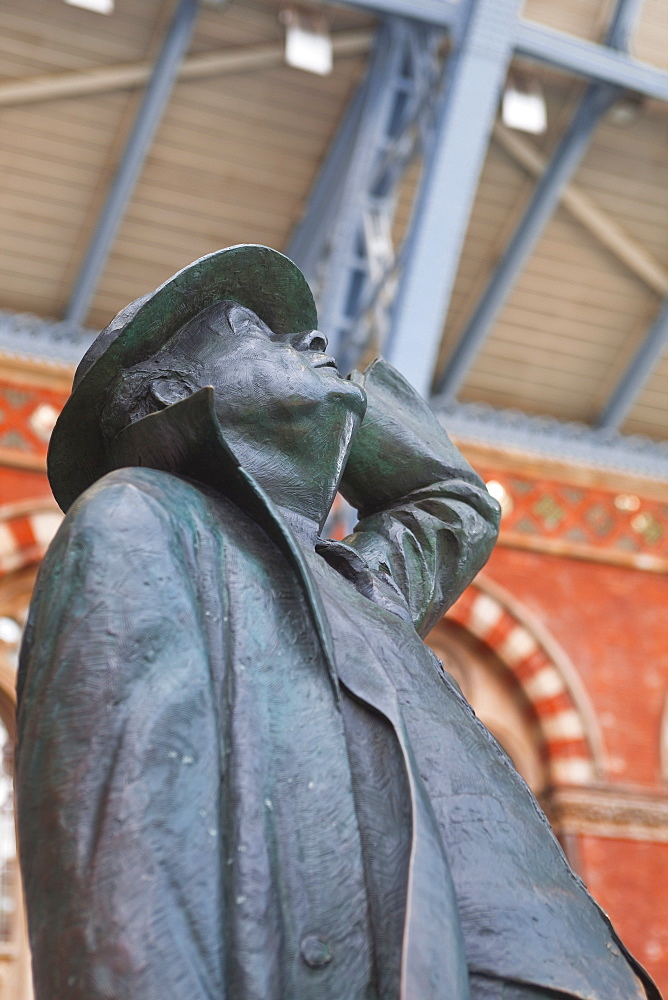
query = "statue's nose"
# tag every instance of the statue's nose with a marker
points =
(309, 340)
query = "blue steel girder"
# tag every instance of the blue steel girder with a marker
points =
(311, 235)
(475, 73)
(565, 160)
(589, 59)
(361, 275)
(636, 375)
(344, 241)
(439, 13)
(537, 41)
(139, 142)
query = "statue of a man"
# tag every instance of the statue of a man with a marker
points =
(241, 773)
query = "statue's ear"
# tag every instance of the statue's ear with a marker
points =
(240, 318)
(168, 390)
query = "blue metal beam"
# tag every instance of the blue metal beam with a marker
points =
(538, 212)
(344, 240)
(149, 115)
(623, 21)
(310, 236)
(536, 41)
(439, 13)
(475, 73)
(346, 267)
(326, 240)
(546, 196)
(595, 62)
(631, 384)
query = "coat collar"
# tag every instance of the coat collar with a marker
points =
(186, 440)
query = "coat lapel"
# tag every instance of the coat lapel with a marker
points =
(185, 439)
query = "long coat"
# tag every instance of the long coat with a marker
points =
(241, 773)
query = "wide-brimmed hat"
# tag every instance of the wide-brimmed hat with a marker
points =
(254, 276)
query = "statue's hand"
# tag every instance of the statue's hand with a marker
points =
(425, 516)
(400, 446)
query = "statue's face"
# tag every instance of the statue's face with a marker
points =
(275, 394)
(263, 379)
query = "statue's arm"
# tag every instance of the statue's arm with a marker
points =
(426, 518)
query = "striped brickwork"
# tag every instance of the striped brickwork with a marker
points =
(569, 742)
(25, 532)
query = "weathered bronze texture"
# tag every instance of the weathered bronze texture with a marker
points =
(241, 773)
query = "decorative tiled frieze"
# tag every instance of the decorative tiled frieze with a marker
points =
(27, 415)
(582, 522)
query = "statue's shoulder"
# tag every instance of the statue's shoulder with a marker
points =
(134, 500)
(137, 503)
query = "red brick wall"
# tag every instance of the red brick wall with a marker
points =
(629, 879)
(612, 622)
(587, 558)
(22, 484)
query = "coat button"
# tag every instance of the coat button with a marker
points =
(316, 952)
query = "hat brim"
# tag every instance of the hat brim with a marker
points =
(257, 277)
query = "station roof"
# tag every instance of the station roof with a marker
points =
(241, 142)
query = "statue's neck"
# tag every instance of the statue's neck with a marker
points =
(186, 439)
(302, 486)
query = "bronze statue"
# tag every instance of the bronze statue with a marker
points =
(241, 774)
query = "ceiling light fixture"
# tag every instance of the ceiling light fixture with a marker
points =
(523, 106)
(99, 6)
(308, 45)
(627, 110)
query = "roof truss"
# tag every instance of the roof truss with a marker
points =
(464, 125)
(484, 35)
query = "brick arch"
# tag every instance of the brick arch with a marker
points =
(26, 528)
(544, 673)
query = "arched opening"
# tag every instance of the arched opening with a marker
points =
(545, 675)
(497, 698)
(525, 690)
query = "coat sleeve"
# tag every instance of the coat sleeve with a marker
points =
(117, 785)
(426, 519)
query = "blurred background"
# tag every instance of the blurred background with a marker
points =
(477, 189)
